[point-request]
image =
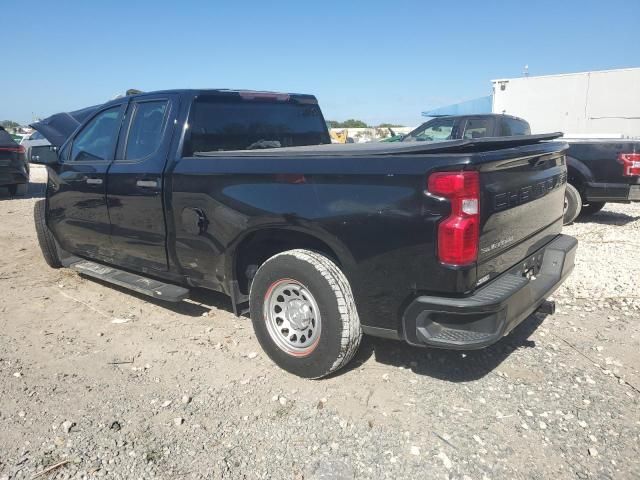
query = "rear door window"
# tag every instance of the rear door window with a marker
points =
(96, 141)
(434, 131)
(219, 123)
(145, 132)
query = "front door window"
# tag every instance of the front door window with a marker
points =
(97, 139)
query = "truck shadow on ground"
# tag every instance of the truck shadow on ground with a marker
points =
(447, 365)
(608, 218)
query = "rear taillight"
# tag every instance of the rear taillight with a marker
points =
(458, 234)
(18, 149)
(630, 164)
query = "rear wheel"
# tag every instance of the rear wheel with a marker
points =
(572, 204)
(45, 238)
(304, 313)
(591, 208)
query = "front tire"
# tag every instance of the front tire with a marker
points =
(45, 237)
(572, 204)
(304, 314)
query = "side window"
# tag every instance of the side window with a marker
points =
(437, 131)
(145, 132)
(477, 128)
(96, 140)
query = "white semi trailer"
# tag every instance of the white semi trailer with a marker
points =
(603, 104)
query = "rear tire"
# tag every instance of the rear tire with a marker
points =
(304, 314)
(45, 238)
(592, 208)
(572, 204)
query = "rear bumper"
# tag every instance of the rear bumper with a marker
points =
(13, 176)
(612, 192)
(494, 310)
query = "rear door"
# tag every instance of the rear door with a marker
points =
(135, 181)
(77, 206)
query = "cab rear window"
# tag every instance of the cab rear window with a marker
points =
(220, 123)
(512, 126)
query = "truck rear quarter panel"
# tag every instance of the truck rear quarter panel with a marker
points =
(380, 226)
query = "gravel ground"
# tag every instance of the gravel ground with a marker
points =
(98, 382)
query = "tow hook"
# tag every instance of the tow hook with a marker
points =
(547, 307)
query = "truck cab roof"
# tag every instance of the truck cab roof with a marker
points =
(60, 126)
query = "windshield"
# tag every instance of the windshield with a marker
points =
(232, 123)
(438, 130)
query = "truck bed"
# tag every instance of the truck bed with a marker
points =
(383, 148)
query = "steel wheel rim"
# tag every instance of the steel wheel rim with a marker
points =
(292, 317)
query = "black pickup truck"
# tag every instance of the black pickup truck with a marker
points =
(447, 244)
(600, 170)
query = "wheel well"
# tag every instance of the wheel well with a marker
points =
(259, 246)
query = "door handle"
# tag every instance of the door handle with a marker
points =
(94, 181)
(147, 183)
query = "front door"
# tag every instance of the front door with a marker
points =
(135, 180)
(78, 215)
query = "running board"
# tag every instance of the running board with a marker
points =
(137, 283)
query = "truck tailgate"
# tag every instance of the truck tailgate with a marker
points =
(522, 205)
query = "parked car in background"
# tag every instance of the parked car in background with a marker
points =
(241, 192)
(465, 127)
(600, 170)
(35, 139)
(14, 170)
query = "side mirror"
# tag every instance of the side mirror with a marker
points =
(44, 155)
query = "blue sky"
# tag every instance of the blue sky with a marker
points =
(378, 61)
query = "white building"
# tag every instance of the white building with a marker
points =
(600, 103)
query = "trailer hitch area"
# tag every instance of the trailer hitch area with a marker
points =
(548, 307)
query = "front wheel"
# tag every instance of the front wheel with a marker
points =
(304, 314)
(45, 237)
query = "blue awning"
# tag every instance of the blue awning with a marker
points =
(470, 107)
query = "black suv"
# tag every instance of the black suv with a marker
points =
(14, 169)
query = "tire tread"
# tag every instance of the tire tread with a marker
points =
(351, 329)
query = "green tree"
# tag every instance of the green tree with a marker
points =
(353, 123)
(389, 125)
(9, 124)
